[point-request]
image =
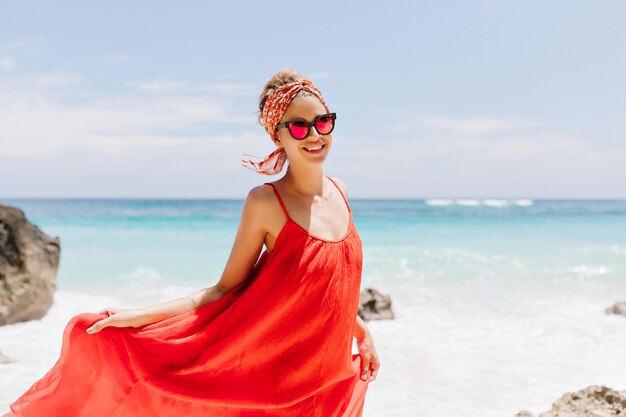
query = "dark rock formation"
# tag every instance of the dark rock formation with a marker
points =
(617, 308)
(374, 305)
(593, 401)
(29, 260)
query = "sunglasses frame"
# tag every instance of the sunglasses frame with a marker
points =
(309, 125)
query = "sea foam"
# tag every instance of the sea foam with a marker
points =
(473, 202)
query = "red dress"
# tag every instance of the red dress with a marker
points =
(277, 344)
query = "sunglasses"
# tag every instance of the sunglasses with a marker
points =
(300, 129)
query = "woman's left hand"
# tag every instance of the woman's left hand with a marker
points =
(369, 357)
(118, 317)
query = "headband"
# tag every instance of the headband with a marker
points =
(275, 107)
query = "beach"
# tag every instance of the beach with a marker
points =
(499, 303)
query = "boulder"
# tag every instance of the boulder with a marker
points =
(593, 401)
(29, 260)
(617, 308)
(374, 306)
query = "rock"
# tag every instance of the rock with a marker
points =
(29, 260)
(593, 401)
(374, 306)
(617, 308)
(524, 413)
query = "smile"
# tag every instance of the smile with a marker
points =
(314, 149)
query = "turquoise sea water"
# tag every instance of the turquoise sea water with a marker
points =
(512, 291)
(109, 243)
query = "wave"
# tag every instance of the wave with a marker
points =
(474, 202)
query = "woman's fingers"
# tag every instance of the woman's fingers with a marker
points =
(112, 310)
(99, 325)
(120, 317)
(365, 366)
(374, 366)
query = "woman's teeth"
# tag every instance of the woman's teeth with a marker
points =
(316, 148)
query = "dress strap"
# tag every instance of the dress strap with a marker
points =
(280, 200)
(340, 192)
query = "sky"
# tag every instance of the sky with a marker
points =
(434, 99)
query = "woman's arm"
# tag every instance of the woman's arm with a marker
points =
(162, 311)
(137, 317)
(360, 329)
(244, 254)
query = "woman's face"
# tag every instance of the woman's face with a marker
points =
(307, 108)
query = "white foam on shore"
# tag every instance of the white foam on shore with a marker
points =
(467, 202)
(451, 351)
(590, 271)
(473, 202)
(524, 202)
(439, 202)
(450, 354)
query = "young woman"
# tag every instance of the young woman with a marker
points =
(273, 337)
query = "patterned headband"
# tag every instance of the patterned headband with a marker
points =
(275, 107)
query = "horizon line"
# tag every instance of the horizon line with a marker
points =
(349, 197)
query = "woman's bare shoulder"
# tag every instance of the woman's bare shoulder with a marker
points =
(261, 191)
(260, 196)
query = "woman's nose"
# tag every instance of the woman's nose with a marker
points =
(313, 132)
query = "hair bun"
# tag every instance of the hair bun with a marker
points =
(282, 77)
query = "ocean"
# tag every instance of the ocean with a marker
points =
(499, 303)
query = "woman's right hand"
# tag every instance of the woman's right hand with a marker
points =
(118, 317)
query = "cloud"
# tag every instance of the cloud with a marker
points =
(322, 75)
(126, 144)
(181, 87)
(37, 83)
(470, 126)
(174, 132)
(159, 86)
(7, 63)
(229, 88)
(465, 126)
(112, 58)
(440, 148)
(44, 114)
(21, 43)
(483, 137)
(541, 143)
(26, 46)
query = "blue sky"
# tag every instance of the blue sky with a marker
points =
(434, 99)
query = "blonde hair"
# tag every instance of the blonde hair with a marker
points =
(282, 77)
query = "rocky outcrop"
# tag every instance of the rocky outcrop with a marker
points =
(617, 308)
(374, 306)
(593, 401)
(29, 260)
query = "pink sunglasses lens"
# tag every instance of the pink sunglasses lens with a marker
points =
(299, 130)
(324, 125)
